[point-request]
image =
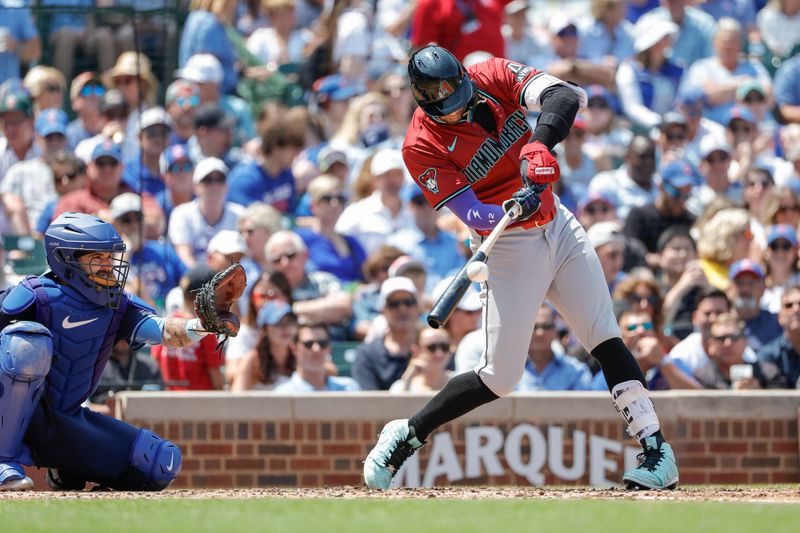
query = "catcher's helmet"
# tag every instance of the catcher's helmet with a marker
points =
(72, 235)
(439, 82)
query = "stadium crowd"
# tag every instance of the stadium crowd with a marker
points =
(277, 144)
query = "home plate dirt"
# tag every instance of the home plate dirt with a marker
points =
(761, 494)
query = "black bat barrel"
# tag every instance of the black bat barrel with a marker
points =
(447, 303)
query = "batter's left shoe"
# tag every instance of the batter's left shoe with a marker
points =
(658, 469)
(396, 443)
(12, 477)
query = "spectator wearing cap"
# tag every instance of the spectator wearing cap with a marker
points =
(596, 207)
(177, 168)
(648, 82)
(722, 74)
(690, 102)
(283, 42)
(46, 86)
(105, 182)
(577, 166)
(608, 138)
(780, 260)
(181, 100)
(745, 292)
(192, 225)
(197, 366)
(329, 251)
(269, 179)
(608, 242)
(693, 42)
(752, 95)
(715, 169)
(383, 361)
(204, 33)
(312, 349)
(545, 369)
(85, 93)
(155, 267)
(32, 180)
(383, 213)
(205, 70)
(784, 351)
(521, 43)
(606, 35)
(425, 242)
(317, 295)
(632, 184)
(366, 299)
(648, 222)
(272, 361)
(69, 174)
(20, 41)
(213, 136)
(787, 90)
(114, 115)
(143, 172)
(224, 249)
(673, 136)
(330, 97)
(16, 123)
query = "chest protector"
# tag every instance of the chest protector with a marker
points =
(83, 335)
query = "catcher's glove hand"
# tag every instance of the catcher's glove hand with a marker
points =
(213, 301)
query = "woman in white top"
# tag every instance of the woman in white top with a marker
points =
(426, 370)
(281, 43)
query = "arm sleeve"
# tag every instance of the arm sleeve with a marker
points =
(473, 212)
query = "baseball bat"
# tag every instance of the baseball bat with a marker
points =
(444, 307)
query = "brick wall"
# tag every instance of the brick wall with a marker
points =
(262, 440)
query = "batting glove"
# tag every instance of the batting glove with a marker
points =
(538, 165)
(527, 200)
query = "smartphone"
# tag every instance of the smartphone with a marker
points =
(740, 372)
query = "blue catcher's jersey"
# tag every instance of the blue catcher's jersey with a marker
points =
(83, 334)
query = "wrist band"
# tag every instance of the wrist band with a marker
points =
(194, 330)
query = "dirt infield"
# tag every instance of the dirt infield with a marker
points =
(760, 494)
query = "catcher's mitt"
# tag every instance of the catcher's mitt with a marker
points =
(213, 301)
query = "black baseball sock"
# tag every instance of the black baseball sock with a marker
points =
(618, 363)
(461, 395)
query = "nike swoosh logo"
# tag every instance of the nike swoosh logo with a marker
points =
(452, 146)
(66, 324)
(171, 462)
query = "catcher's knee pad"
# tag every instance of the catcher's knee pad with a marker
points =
(26, 350)
(159, 460)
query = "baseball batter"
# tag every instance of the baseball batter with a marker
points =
(466, 146)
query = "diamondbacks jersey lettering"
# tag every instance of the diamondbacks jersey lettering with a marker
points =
(446, 160)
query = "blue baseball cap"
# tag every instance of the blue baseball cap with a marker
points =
(107, 148)
(175, 153)
(336, 87)
(51, 121)
(741, 113)
(781, 231)
(273, 312)
(745, 265)
(690, 95)
(679, 174)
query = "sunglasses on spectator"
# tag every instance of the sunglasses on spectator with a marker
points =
(115, 115)
(718, 158)
(101, 163)
(791, 305)
(753, 98)
(598, 103)
(647, 326)
(279, 259)
(733, 337)
(675, 136)
(407, 302)
(186, 166)
(130, 218)
(92, 90)
(192, 101)
(212, 179)
(597, 208)
(322, 343)
(52, 88)
(69, 176)
(740, 128)
(547, 326)
(675, 192)
(442, 346)
(156, 132)
(781, 245)
(333, 198)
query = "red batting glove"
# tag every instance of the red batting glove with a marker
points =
(538, 165)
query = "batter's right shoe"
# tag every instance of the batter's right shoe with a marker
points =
(12, 477)
(658, 469)
(396, 443)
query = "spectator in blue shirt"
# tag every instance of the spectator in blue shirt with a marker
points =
(143, 171)
(180, 101)
(787, 90)
(745, 292)
(205, 32)
(19, 39)
(69, 174)
(785, 350)
(269, 179)
(213, 134)
(341, 255)
(155, 267)
(547, 370)
(85, 93)
(177, 168)
(312, 350)
(696, 31)
(606, 35)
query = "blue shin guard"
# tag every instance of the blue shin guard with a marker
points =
(26, 349)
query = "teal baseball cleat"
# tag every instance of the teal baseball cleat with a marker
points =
(658, 469)
(12, 477)
(396, 443)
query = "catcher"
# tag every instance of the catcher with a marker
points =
(57, 334)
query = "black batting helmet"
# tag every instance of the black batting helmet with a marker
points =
(439, 82)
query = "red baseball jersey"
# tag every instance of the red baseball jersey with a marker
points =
(445, 160)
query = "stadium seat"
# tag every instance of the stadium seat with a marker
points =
(343, 354)
(25, 254)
